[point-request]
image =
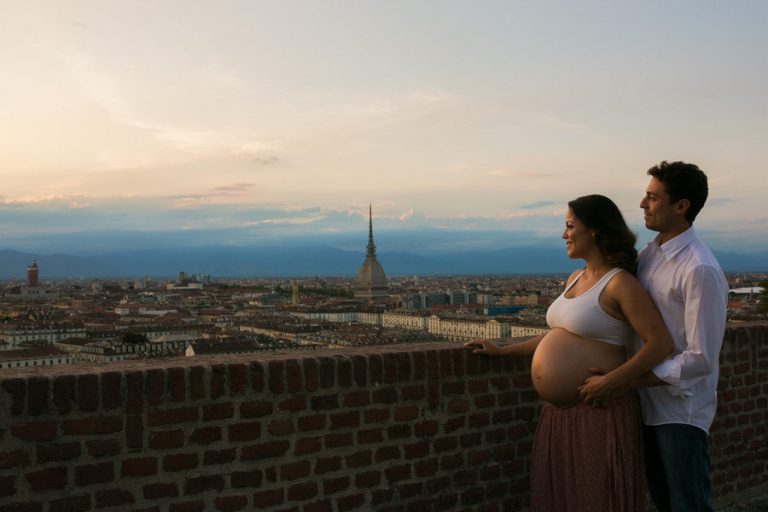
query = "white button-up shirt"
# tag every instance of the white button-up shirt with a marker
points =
(687, 284)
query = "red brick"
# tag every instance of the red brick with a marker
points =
(335, 485)
(14, 458)
(216, 412)
(158, 417)
(166, 440)
(416, 450)
(413, 392)
(22, 506)
(7, 486)
(302, 492)
(370, 436)
(345, 420)
(113, 498)
(406, 413)
(426, 467)
(187, 506)
(426, 428)
(367, 479)
(155, 390)
(325, 402)
(375, 369)
(265, 450)
(386, 453)
(93, 425)
(48, 479)
(177, 384)
(242, 432)
(144, 466)
(293, 376)
(94, 473)
(160, 490)
(360, 370)
(376, 416)
(134, 431)
(238, 378)
(180, 462)
(319, 506)
(310, 423)
(455, 423)
(327, 465)
(57, 452)
(218, 381)
(256, 370)
(271, 498)
(308, 445)
(343, 371)
(64, 393)
(111, 390)
(230, 503)
(354, 502)
(201, 484)
(385, 396)
(359, 398)
(134, 383)
(280, 427)
(326, 372)
(360, 459)
(257, 409)
(295, 470)
(38, 431)
(38, 390)
(311, 379)
(103, 447)
(213, 457)
(206, 435)
(240, 479)
(88, 392)
(293, 404)
(339, 440)
(276, 376)
(401, 431)
(79, 503)
(196, 383)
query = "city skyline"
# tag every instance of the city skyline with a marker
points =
(252, 123)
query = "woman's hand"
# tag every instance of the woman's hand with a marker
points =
(484, 346)
(599, 389)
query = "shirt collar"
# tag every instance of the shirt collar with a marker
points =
(671, 247)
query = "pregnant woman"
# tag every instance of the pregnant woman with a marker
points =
(588, 457)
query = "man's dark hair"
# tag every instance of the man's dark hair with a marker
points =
(612, 235)
(683, 181)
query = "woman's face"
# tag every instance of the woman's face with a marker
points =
(578, 238)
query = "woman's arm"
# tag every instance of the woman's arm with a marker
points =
(494, 348)
(641, 313)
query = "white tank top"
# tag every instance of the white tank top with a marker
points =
(583, 316)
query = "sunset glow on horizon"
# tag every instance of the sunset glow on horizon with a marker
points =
(249, 115)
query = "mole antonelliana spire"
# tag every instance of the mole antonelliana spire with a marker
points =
(371, 282)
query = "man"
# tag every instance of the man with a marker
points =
(678, 397)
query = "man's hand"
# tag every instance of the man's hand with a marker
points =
(599, 389)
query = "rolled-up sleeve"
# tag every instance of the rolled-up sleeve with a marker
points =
(706, 301)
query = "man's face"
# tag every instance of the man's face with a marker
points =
(659, 212)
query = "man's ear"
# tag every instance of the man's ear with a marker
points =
(682, 206)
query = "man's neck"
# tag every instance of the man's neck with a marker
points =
(667, 235)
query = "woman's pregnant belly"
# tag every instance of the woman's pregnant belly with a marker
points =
(562, 361)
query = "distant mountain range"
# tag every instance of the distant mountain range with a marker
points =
(284, 261)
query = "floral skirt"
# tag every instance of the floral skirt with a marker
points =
(589, 459)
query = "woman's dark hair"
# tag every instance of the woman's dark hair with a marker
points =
(683, 181)
(612, 235)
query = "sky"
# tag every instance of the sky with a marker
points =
(239, 122)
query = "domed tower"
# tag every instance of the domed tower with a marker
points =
(371, 283)
(32, 274)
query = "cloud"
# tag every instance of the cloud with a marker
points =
(540, 204)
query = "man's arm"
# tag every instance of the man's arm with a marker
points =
(705, 294)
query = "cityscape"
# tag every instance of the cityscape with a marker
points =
(77, 322)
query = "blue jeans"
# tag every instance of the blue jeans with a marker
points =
(677, 467)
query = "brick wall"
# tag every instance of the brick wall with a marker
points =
(406, 428)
